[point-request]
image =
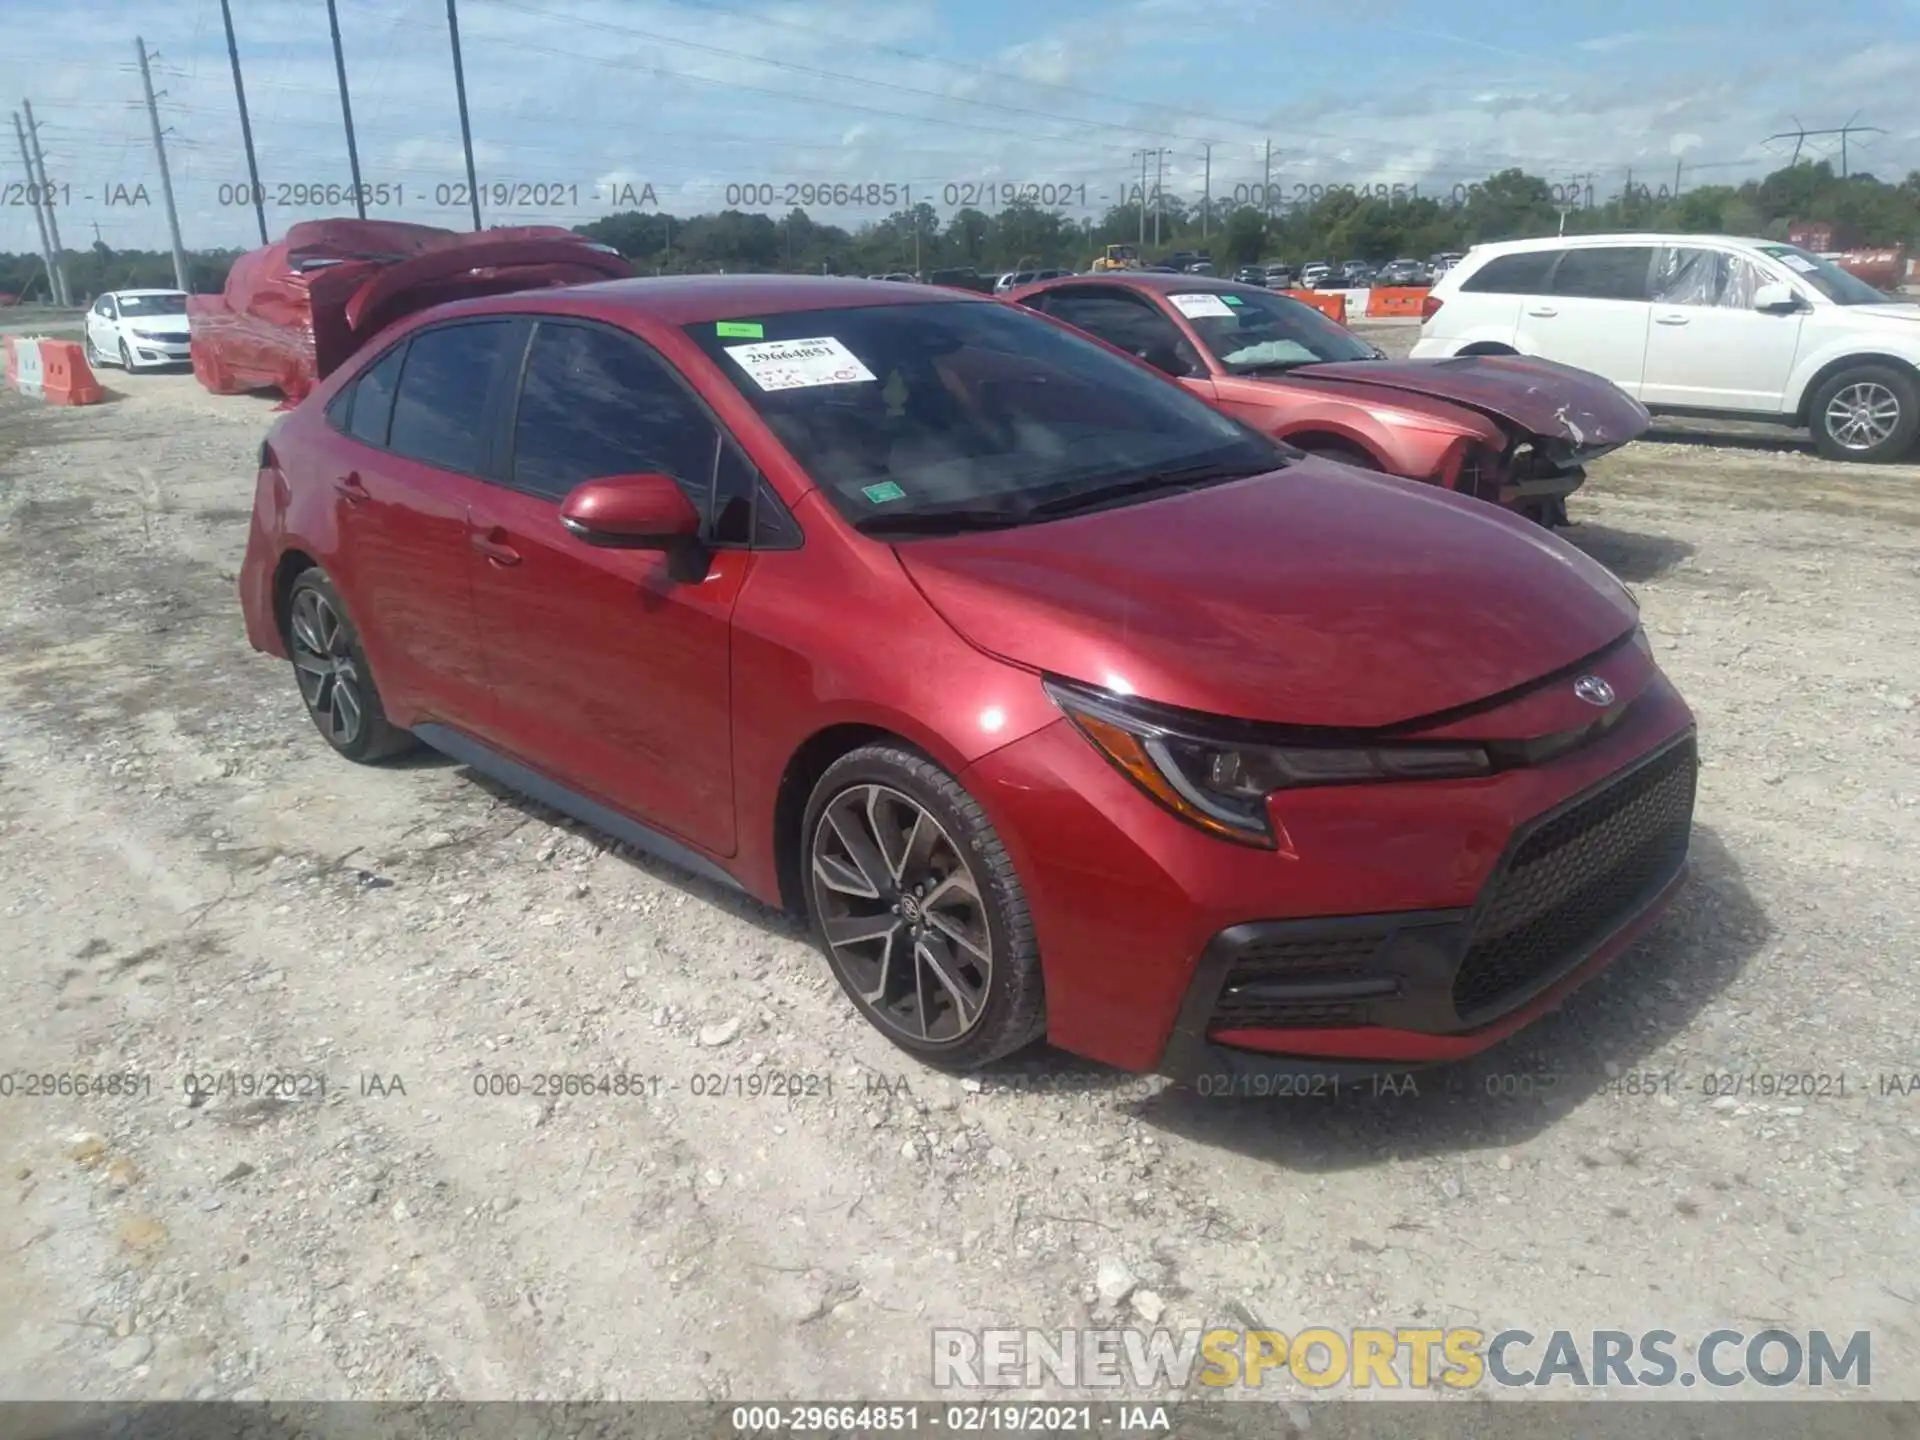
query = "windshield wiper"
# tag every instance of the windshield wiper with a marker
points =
(939, 522)
(1192, 475)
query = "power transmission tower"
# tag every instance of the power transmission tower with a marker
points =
(61, 294)
(39, 215)
(246, 126)
(1802, 135)
(1159, 191)
(166, 180)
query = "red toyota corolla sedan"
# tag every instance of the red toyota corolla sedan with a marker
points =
(1511, 429)
(1061, 703)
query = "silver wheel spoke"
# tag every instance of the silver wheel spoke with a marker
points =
(861, 929)
(311, 664)
(346, 711)
(901, 913)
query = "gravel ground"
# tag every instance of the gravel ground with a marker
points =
(195, 884)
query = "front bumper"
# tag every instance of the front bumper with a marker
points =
(1376, 919)
(1574, 887)
(160, 352)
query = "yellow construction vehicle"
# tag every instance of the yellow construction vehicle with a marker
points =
(1118, 257)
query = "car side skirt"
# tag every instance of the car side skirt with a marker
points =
(552, 793)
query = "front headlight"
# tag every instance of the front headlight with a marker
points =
(1220, 782)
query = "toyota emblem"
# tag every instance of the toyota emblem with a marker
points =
(1593, 690)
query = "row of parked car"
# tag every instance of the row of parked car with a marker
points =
(1002, 639)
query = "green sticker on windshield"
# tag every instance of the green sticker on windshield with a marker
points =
(1233, 299)
(740, 330)
(886, 490)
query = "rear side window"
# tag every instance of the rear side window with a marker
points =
(1524, 273)
(1604, 272)
(440, 410)
(371, 399)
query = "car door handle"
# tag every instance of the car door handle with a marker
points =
(1545, 312)
(494, 546)
(352, 489)
(1671, 319)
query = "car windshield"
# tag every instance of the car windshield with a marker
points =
(153, 304)
(1825, 276)
(935, 418)
(1257, 331)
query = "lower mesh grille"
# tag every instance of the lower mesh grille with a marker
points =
(1318, 960)
(1579, 877)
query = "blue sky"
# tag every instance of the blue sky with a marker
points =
(577, 102)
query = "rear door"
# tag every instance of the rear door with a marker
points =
(1708, 348)
(418, 443)
(1594, 313)
(609, 674)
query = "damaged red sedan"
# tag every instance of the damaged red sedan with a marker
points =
(1059, 703)
(1517, 432)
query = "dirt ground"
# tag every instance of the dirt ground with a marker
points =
(195, 885)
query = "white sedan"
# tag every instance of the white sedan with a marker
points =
(138, 329)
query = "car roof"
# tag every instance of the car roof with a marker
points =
(1185, 284)
(1623, 237)
(146, 292)
(691, 299)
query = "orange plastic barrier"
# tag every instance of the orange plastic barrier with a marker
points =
(1334, 307)
(65, 376)
(1393, 300)
(13, 361)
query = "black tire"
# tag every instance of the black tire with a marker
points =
(1010, 1012)
(1488, 347)
(1874, 398)
(126, 357)
(342, 700)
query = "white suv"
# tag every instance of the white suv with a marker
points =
(1698, 325)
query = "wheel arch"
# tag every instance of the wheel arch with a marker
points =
(1803, 407)
(1486, 347)
(809, 761)
(293, 563)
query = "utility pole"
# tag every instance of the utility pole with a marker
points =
(1206, 194)
(466, 132)
(1159, 191)
(1143, 200)
(1266, 185)
(1676, 177)
(39, 215)
(38, 172)
(246, 126)
(166, 180)
(346, 110)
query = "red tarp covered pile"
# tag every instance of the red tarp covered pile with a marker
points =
(294, 310)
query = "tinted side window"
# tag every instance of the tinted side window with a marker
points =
(371, 399)
(440, 411)
(1604, 272)
(594, 404)
(1522, 274)
(1128, 324)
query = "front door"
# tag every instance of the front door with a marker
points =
(101, 329)
(1708, 348)
(609, 674)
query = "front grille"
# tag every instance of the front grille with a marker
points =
(1310, 961)
(1578, 878)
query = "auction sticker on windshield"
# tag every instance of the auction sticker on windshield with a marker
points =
(800, 364)
(1200, 307)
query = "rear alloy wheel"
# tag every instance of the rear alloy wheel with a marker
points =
(915, 902)
(1869, 412)
(334, 678)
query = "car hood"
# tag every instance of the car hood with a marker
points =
(1553, 401)
(157, 324)
(1316, 595)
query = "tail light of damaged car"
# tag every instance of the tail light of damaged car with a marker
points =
(1066, 698)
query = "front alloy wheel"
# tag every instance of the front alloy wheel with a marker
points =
(902, 913)
(915, 902)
